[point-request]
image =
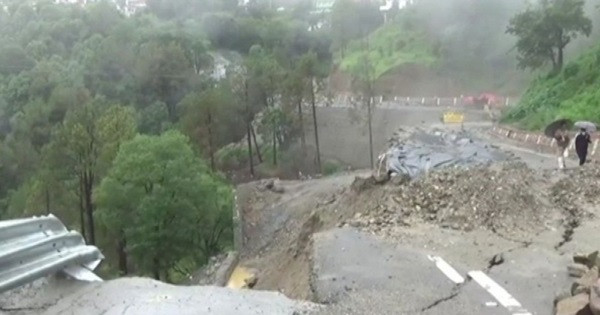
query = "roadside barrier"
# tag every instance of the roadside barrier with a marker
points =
(40, 246)
(539, 141)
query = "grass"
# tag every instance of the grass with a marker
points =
(573, 93)
(390, 46)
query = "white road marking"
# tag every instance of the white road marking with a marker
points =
(501, 295)
(450, 272)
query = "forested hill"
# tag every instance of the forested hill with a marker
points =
(115, 124)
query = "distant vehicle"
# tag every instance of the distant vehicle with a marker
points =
(483, 99)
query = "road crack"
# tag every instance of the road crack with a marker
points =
(440, 301)
(456, 290)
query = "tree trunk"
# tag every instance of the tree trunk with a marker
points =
(301, 121)
(211, 150)
(156, 268)
(82, 209)
(122, 244)
(258, 154)
(88, 181)
(47, 201)
(314, 114)
(560, 59)
(250, 155)
(274, 146)
(369, 113)
(248, 129)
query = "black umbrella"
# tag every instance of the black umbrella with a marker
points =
(551, 129)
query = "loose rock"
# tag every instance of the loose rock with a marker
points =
(595, 298)
(572, 305)
(577, 270)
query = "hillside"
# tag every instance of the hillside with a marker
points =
(573, 93)
(389, 47)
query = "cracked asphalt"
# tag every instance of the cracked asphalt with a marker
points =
(358, 273)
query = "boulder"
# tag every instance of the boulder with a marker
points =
(585, 283)
(595, 298)
(577, 270)
(575, 305)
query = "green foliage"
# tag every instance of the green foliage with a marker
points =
(387, 48)
(331, 167)
(232, 157)
(167, 203)
(572, 93)
(211, 118)
(76, 82)
(545, 30)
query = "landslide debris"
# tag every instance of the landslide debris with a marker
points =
(584, 294)
(501, 197)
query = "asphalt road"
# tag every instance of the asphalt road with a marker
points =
(361, 274)
(138, 296)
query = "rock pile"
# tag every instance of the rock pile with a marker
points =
(499, 197)
(584, 295)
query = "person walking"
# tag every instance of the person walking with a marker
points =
(582, 142)
(562, 141)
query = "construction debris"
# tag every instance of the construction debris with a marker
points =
(585, 291)
(414, 153)
(595, 298)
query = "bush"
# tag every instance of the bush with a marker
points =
(232, 156)
(331, 167)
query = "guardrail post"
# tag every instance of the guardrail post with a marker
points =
(454, 101)
(506, 101)
(381, 99)
(438, 101)
(423, 101)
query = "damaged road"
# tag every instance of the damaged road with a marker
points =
(360, 274)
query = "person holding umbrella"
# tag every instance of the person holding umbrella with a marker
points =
(562, 141)
(558, 131)
(583, 140)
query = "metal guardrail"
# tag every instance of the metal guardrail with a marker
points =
(37, 247)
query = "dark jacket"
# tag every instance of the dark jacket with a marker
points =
(582, 141)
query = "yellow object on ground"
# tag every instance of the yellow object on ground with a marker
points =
(239, 278)
(453, 118)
